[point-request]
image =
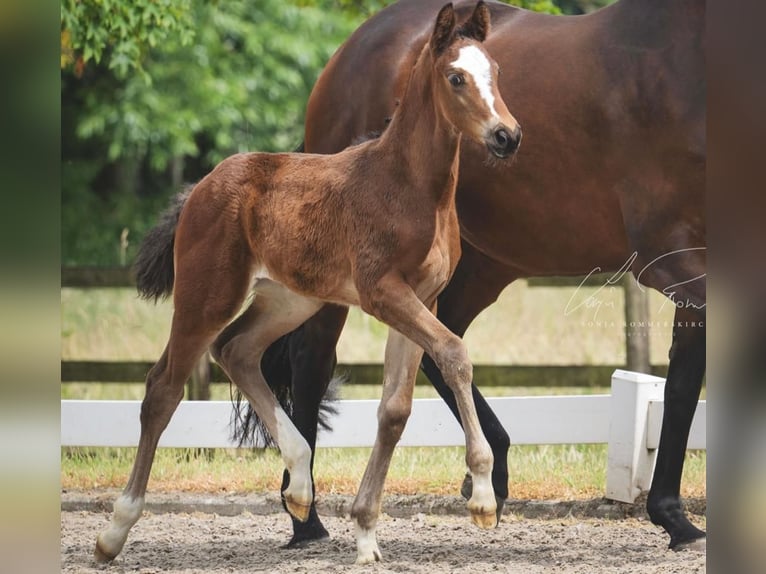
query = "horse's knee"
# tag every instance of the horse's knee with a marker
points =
(454, 364)
(392, 417)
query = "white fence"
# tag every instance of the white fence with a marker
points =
(628, 420)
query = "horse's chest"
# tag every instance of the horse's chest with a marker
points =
(436, 268)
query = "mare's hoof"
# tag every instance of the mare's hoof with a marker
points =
(100, 555)
(466, 489)
(303, 540)
(698, 545)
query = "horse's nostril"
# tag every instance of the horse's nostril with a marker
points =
(502, 138)
(503, 142)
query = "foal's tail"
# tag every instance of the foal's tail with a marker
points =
(154, 263)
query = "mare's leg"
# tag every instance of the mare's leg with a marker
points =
(202, 309)
(400, 370)
(671, 259)
(476, 284)
(394, 303)
(682, 390)
(274, 312)
(312, 363)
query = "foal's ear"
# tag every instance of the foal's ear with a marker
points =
(443, 30)
(477, 27)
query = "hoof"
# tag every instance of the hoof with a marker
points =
(369, 557)
(485, 520)
(466, 490)
(298, 511)
(699, 545)
(101, 556)
(304, 541)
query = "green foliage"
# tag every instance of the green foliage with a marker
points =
(120, 32)
(581, 6)
(241, 85)
(545, 6)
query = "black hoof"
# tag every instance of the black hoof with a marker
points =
(302, 541)
(305, 533)
(466, 490)
(669, 514)
(697, 545)
(690, 537)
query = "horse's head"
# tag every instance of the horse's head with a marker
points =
(466, 81)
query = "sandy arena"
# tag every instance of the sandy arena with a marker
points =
(206, 534)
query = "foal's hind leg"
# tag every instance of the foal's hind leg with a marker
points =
(274, 312)
(191, 334)
(400, 370)
(312, 362)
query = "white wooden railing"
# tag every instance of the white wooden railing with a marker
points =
(628, 420)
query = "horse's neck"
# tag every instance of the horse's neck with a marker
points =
(422, 143)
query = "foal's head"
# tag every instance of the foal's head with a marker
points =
(466, 81)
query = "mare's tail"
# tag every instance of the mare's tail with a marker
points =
(276, 366)
(154, 263)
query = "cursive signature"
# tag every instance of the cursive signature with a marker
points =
(596, 300)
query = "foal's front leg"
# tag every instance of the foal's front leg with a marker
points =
(397, 305)
(399, 372)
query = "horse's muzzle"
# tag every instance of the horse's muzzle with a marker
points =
(503, 142)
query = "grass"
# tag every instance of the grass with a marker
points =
(541, 472)
(526, 326)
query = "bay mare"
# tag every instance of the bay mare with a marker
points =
(612, 172)
(374, 225)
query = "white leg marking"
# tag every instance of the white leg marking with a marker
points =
(296, 454)
(482, 499)
(126, 513)
(367, 550)
(473, 61)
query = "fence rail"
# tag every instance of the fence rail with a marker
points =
(627, 420)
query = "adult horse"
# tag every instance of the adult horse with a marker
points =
(264, 239)
(612, 170)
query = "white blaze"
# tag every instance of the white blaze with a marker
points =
(473, 61)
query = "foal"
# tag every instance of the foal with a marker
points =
(374, 226)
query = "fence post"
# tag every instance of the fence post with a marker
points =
(198, 386)
(636, 326)
(630, 463)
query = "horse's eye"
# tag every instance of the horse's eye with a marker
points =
(456, 80)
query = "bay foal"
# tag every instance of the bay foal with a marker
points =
(374, 226)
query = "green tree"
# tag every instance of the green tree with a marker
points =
(133, 127)
(119, 32)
